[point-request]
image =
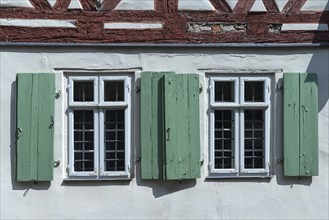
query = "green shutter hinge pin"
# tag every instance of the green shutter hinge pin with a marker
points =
(278, 88)
(57, 163)
(58, 94)
(19, 130)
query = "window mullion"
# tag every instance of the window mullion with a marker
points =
(101, 142)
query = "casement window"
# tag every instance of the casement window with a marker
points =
(240, 111)
(99, 118)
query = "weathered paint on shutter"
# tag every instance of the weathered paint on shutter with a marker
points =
(291, 124)
(308, 125)
(182, 141)
(152, 125)
(300, 125)
(34, 119)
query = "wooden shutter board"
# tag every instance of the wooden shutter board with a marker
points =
(300, 125)
(291, 124)
(182, 118)
(308, 125)
(23, 131)
(35, 103)
(152, 137)
(46, 126)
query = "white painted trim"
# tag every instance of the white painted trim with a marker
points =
(315, 5)
(72, 103)
(266, 95)
(135, 5)
(304, 27)
(16, 3)
(258, 6)
(98, 107)
(132, 25)
(75, 4)
(195, 5)
(38, 23)
(213, 80)
(238, 109)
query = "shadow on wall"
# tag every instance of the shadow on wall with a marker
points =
(24, 186)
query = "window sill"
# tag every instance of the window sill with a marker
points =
(113, 178)
(219, 176)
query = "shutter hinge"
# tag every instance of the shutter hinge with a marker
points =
(57, 163)
(278, 88)
(58, 94)
(68, 169)
(138, 89)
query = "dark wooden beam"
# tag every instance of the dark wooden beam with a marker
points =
(271, 6)
(243, 6)
(221, 6)
(109, 5)
(293, 6)
(40, 4)
(61, 5)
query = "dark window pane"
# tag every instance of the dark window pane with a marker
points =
(114, 140)
(224, 139)
(83, 140)
(83, 91)
(254, 91)
(114, 91)
(254, 139)
(224, 91)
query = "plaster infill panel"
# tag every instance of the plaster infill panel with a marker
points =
(15, 3)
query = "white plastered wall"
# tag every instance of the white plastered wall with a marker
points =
(277, 198)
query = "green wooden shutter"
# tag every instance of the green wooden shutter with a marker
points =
(152, 130)
(170, 139)
(34, 120)
(300, 124)
(182, 144)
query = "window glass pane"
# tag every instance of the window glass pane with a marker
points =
(224, 91)
(83, 140)
(83, 91)
(114, 140)
(254, 91)
(224, 139)
(254, 138)
(114, 91)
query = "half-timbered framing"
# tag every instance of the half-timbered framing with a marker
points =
(222, 21)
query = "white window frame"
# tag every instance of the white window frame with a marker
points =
(98, 106)
(238, 107)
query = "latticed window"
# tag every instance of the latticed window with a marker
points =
(239, 126)
(99, 126)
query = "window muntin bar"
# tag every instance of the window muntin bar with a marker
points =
(254, 91)
(83, 91)
(224, 139)
(83, 140)
(114, 140)
(224, 91)
(114, 91)
(251, 152)
(111, 139)
(254, 139)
